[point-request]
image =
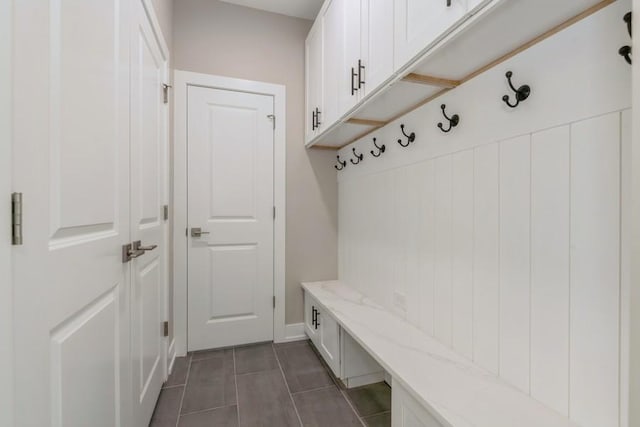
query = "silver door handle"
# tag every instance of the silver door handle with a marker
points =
(197, 232)
(137, 247)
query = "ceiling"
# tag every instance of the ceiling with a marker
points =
(307, 9)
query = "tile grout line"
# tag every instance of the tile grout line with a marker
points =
(199, 411)
(344, 396)
(184, 390)
(235, 379)
(312, 390)
(293, 402)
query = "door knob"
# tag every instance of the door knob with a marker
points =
(137, 246)
(197, 232)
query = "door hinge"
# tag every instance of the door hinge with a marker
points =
(165, 329)
(274, 301)
(165, 92)
(273, 119)
(274, 212)
(16, 219)
(165, 212)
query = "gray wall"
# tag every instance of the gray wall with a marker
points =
(218, 38)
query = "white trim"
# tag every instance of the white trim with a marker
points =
(166, 56)
(155, 25)
(631, 412)
(364, 379)
(171, 356)
(294, 332)
(182, 79)
(6, 284)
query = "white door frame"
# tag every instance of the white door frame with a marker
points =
(182, 80)
(168, 356)
(6, 284)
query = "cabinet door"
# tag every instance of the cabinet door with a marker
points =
(330, 342)
(349, 86)
(313, 78)
(418, 23)
(377, 43)
(310, 307)
(332, 60)
(407, 412)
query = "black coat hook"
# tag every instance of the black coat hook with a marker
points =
(522, 93)
(453, 121)
(625, 51)
(381, 149)
(358, 156)
(410, 138)
(342, 163)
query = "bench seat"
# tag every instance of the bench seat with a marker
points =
(453, 389)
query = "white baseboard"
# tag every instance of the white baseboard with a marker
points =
(294, 332)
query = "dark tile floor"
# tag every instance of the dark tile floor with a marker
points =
(265, 385)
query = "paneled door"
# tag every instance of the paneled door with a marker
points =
(71, 162)
(148, 145)
(230, 140)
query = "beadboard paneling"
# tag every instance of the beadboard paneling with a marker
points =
(462, 252)
(550, 160)
(502, 238)
(442, 279)
(515, 227)
(595, 271)
(486, 263)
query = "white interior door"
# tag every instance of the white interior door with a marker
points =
(230, 197)
(71, 162)
(148, 121)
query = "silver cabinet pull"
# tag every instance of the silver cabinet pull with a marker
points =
(197, 232)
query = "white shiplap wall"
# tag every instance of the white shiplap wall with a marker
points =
(502, 239)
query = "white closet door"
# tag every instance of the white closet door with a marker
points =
(71, 161)
(230, 198)
(148, 121)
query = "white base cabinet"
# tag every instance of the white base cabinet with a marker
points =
(346, 358)
(407, 412)
(324, 332)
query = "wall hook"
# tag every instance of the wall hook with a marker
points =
(628, 17)
(521, 93)
(625, 51)
(360, 156)
(381, 149)
(342, 163)
(453, 121)
(410, 138)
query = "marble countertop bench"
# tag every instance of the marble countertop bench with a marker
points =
(453, 389)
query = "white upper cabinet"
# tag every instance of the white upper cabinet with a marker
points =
(333, 60)
(376, 42)
(351, 82)
(418, 23)
(314, 82)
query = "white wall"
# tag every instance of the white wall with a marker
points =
(502, 239)
(6, 294)
(218, 38)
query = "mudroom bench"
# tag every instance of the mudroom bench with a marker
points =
(432, 386)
